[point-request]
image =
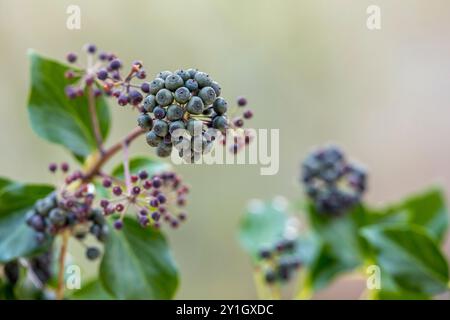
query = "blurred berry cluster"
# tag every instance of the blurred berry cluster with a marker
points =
(40, 265)
(155, 198)
(331, 182)
(280, 262)
(68, 208)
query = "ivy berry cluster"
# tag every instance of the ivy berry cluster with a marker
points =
(331, 182)
(156, 198)
(69, 208)
(279, 263)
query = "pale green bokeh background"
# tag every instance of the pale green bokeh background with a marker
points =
(309, 68)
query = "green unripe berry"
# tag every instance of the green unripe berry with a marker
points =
(220, 123)
(173, 82)
(191, 84)
(194, 127)
(183, 74)
(164, 149)
(208, 95)
(164, 97)
(164, 74)
(174, 112)
(176, 125)
(161, 128)
(182, 95)
(202, 79)
(156, 85)
(195, 105)
(153, 139)
(149, 103)
(220, 106)
(191, 72)
(145, 122)
(215, 85)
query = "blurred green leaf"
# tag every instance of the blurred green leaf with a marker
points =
(342, 247)
(137, 264)
(410, 257)
(151, 165)
(391, 291)
(262, 226)
(16, 238)
(93, 290)
(428, 209)
(56, 118)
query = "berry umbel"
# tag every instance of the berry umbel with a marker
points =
(332, 183)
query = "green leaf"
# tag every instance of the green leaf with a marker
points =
(410, 257)
(391, 291)
(93, 290)
(16, 238)
(262, 226)
(137, 264)
(428, 209)
(151, 165)
(56, 118)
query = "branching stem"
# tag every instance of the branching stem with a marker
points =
(62, 260)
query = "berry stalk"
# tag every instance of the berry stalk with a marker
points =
(109, 153)
(62, 258)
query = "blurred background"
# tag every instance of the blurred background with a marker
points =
(309, 68)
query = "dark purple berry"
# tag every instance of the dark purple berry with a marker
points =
(115, 64)
(156, 182)
(242, 102)
(64, 166)
(248, 114)
(143, 174)
(107, 183)
(145, 87)
(156, 216)
(52, 167)
(118, 224)
(71, 57)
(91, 48)
(102, 74)
(123, 99)
(117, 190)
(136, 190)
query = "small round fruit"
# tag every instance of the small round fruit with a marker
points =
(145, 122)
(191, 72)
(202, 79)
(174, 112)
(57, 217)
(191, 84)
(164, 149)
(220, 123)
(194, 127)
(220, 106)
(173, 82)
(149, 103)
(155, 85)
(195, 105)
(216, 86)
(182, 95)
(159, 112)
(183, 74)
(161, 128)
(176, 125)
(92, 253)
(164, 97)
(208, 95)
(164, 74)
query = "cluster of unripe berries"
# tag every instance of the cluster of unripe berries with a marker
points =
(103, 70)
(331, 182)
(184, 109)
(155, 199)
(280, 262)
(68, 210)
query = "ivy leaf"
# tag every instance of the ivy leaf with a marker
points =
(428, 209)
(16, 238)
(410, 257)
(262, 226)
(56, 118)
(93, 290)
(137, 264)
(137, 164)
